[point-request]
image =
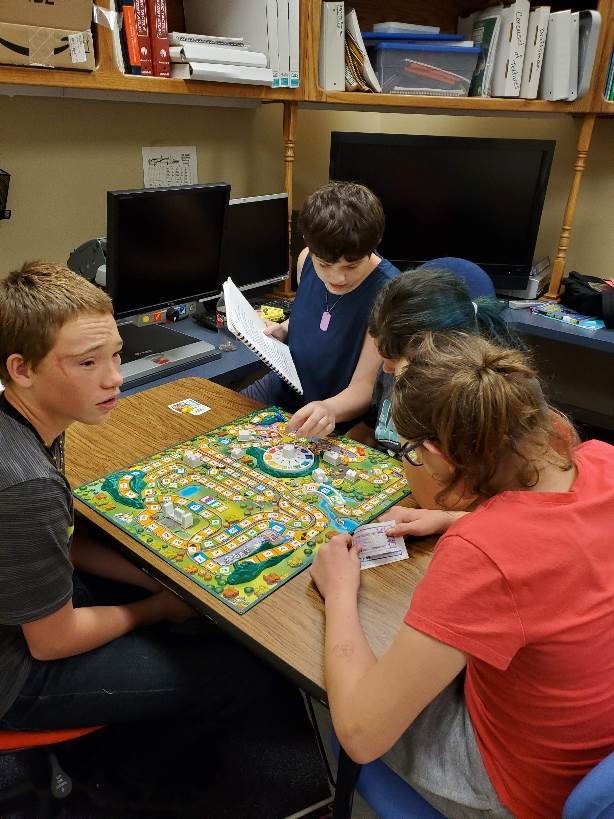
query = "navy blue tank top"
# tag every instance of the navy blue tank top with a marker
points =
(326, 360)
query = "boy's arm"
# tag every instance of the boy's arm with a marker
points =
(319, 417)
(69, 631)
(91, 555)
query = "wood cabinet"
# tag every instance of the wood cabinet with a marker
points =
(106, 78)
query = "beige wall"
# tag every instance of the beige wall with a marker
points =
(63, 155)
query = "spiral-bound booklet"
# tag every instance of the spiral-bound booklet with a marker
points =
(245, 323)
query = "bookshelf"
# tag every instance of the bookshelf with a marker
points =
(106, 81)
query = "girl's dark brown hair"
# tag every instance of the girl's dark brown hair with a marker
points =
(481, 403)
(342, 219)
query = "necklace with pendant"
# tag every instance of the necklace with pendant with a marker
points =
(325, 320)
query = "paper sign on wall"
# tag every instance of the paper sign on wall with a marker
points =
(165, 167)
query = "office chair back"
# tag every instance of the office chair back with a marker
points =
(593, 796)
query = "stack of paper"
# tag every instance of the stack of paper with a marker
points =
(268, 28)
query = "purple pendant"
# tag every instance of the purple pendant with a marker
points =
(325, 321)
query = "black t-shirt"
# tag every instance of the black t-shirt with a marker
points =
(36, 525)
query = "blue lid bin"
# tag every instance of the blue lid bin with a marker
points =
(425, 69)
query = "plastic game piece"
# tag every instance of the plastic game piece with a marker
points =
(288, 450)
(244, 435)
(351, 475)
(183, 518)
(168, 509)
(191, 458)
(331, 457)
(319, 475)
(236, 452)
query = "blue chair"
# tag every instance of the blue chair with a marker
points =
(593, 796)
(389, 796)
(386, 793)
(476, 280)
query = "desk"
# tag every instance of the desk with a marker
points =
(232, 366)
(286, 628)
(575, 364)
(525, 322)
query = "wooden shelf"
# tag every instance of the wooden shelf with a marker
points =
(103, 79)
(444, 13)
(454, 105)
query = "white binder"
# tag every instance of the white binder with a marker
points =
(554, 80)
(590, 23)
(509, 57)
(294, 39)
(332, 41)
(273, 40)
(573, 55)
(283, 41)
(534, 52)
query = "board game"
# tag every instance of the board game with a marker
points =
(243, 508)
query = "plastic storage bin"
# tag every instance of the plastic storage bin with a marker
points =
(437, 70)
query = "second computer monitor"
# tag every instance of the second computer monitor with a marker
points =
(256, 245)
(164, 245)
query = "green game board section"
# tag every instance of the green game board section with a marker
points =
(243, 508)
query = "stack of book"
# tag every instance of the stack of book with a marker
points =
(532, 52)
(266, 31)
(140, 39)
(221, 59)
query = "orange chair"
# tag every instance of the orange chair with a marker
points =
(45, 766)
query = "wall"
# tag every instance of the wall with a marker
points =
(64, 154)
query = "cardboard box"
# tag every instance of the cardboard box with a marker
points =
(72, 15)
(49, 47)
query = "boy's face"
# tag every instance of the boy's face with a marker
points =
(79, 378)
(342, 276)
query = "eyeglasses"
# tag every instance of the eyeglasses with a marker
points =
(411, 452)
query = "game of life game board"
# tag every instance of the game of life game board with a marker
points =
(244, 507)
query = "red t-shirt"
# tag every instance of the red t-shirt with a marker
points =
(525, 586)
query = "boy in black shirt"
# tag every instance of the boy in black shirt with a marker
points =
(64, 660)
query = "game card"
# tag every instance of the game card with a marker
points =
(376, 547)
(189, 407)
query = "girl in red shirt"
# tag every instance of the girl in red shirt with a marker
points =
(499, 692)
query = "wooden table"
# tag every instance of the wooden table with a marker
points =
(286, 628)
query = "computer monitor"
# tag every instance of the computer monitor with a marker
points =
(255, 250)
(164, 245)
(163, 249)
(480, 199)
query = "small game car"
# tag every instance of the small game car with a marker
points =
(270, 313)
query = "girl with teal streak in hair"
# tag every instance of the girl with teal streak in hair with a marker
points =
(444, 294)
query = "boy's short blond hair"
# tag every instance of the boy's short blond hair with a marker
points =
(35, 302)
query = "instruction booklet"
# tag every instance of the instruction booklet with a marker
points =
(245, 323)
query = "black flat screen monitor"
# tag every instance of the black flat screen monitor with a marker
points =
(480, 199)
(164, 245)
(256, 244)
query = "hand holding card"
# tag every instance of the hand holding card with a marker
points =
(376, 547)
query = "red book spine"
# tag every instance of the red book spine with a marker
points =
(130, 38)
(158, 26)
(142, 33)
